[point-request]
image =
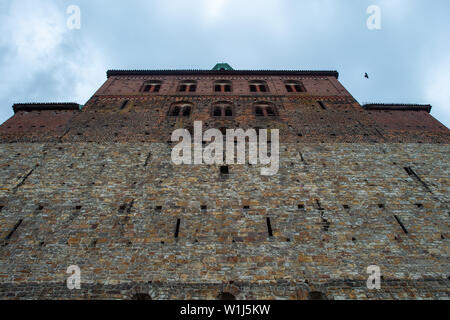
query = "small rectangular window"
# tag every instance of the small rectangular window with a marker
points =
(224, 170)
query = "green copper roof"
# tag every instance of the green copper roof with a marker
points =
(222, 66)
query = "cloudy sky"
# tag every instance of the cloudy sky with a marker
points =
(408, 60)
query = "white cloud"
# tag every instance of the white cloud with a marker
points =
(37, 42)
(213, 9)
(437, 90)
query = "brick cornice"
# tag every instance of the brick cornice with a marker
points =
(322, 73)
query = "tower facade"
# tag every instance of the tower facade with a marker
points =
(95, 187)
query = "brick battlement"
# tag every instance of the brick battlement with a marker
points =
(398, 107)
(45, 106)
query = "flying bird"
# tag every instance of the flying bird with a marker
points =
(366, 76)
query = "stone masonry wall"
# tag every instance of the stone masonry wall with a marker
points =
(112, 209)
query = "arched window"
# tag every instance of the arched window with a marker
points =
(258, 86)
(294, 86)
(222, 86)
(151, 86)
(188, 86)
(265, 109)
(181, 109)
(222, 109)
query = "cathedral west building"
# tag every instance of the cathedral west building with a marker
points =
(95, 187)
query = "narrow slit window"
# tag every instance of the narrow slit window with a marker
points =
(410, 171)
(322, 105)
(124, 105)
(269, 227)
(14, 229)
(177, 229)
(401, 224)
